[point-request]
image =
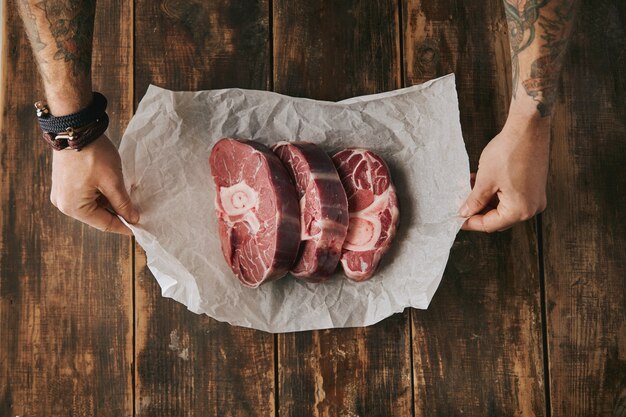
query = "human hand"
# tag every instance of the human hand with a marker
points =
(510, 185)
(87, 183)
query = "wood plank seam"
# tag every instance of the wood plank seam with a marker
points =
(270, 23)
(544, 317)
(133, 368)
(133, 259)
(276, 376)
(411, 352)
(4, 52)
(402, 67)
(403, 83)
(133, 244)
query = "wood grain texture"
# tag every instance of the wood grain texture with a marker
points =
(333, 50)
(191, 45)
(478, 347)
(585, 224)
(65, 289)
(190, 365)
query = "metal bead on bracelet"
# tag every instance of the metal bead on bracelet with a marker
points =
(77, 130)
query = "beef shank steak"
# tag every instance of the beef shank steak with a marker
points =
(257, 210)
(323, 208)
(373, 207)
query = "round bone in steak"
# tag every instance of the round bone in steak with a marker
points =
(323, 209)
(373, 207)
(257, 210)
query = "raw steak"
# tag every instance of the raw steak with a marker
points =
(323, 209)
(373, 209)
(257, 210)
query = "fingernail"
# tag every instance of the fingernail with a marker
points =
(134, 216)
(465, 211)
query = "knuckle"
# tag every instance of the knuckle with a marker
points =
(491, 229)
(124, 204)
(523, 211)
(526, 214)
(475, 202)
(484, 227)
(542, 206)
(65, 207)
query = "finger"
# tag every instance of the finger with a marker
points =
(480, 196)
(120, 202)
(103, 220)
(489, 222)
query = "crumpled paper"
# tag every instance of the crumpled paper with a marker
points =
(165, 152)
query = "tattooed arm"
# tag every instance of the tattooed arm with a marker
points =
(60, 32)
(539, 31)
(87, 183)
(510, 185)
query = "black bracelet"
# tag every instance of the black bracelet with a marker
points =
(52, 124)
(78, 138)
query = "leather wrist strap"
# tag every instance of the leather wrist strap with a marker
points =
(76, 130)
(77, 139)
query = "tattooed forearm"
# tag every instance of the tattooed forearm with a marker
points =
(539, 32)
(61, 33)
(60, 30)
(30, 24)
(521, 16)
(71, 26)
(544, 71)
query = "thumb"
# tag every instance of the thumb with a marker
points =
(477, 200)
(120, 201)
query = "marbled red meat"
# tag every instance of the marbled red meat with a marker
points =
(257, 210)
(323, 208)
(373, 207)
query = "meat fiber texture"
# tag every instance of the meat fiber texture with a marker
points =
(416, 130)
(257, 207)
(373, 207)
(323, 208)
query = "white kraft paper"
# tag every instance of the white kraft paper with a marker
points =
(165, 152)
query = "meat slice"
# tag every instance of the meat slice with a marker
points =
(257, 210)
(323, 209)
(373, 206)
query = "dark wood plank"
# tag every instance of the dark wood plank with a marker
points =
(189, 364)
(333, 50)
(330, 51)
(478, 348)
(585, 224)
(65, 289)
(185, 45)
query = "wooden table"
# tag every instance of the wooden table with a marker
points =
(529, 322)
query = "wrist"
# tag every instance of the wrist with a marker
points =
(69, 97)
(524, 111)
(525, 122)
